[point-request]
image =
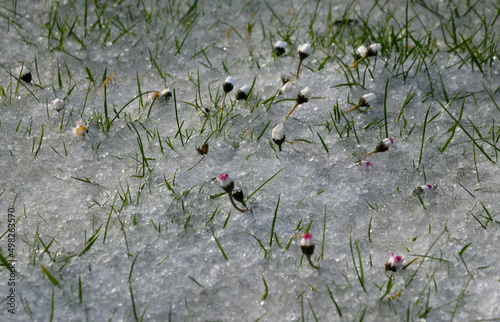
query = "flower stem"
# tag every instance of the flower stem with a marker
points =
(352, 109)
(298, 69)
(364, 156)
(279, 147)
(234, 204)
(203, 157)
(311, 263)
(222, 105)
(296, 103)
(358, 61)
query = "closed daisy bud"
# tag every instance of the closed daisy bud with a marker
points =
(242, 93)
(305, 51)
(278, 135)
(394, 263)
(422, 189)
(307, 248)
(58, 104)
(24, 74)
(366, 100)
(303, 97)
(166, 94)
(280, 47)
(382, 146)
(226, 183)
(374, 49)
(80, 130)
(360, 52)
(286, 85)
(238, 196)
(228, 84)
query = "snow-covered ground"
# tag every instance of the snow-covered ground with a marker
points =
(122, 223)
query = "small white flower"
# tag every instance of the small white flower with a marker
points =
(228, 84)
(305, 50)
(278, 134)
(242, 93)
(305, 94)
(280, 47)
(286, 88)
(24, 73)
(387, 142)
(58, 104)
(369, 99)
(374, 49)
(361, 51)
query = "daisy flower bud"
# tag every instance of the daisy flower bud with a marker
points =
(166, 94)
(305, 51)
(58, 104)
(24, 74)
(366, 100)
(226, 183)
(303, 97)
(307, 247)
(360, 52)
(280, 47)
(382, 146)
(238, 196)
(278, 135)
(394, 263)
(80, 130)
(228, 84)
(422, 189)
(242, 93)
(286, 85)
(374, 49)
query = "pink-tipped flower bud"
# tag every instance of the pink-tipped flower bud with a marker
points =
(307, 245)
(423, 188)
(365, 163)
(384, 145)
(226, 183)
(394, 263)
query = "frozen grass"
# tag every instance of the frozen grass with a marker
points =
(130, 224)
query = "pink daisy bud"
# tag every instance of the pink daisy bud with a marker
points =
(422, 189)
(307, 248)
(394, 263)
(383, 145)
(226, 182)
